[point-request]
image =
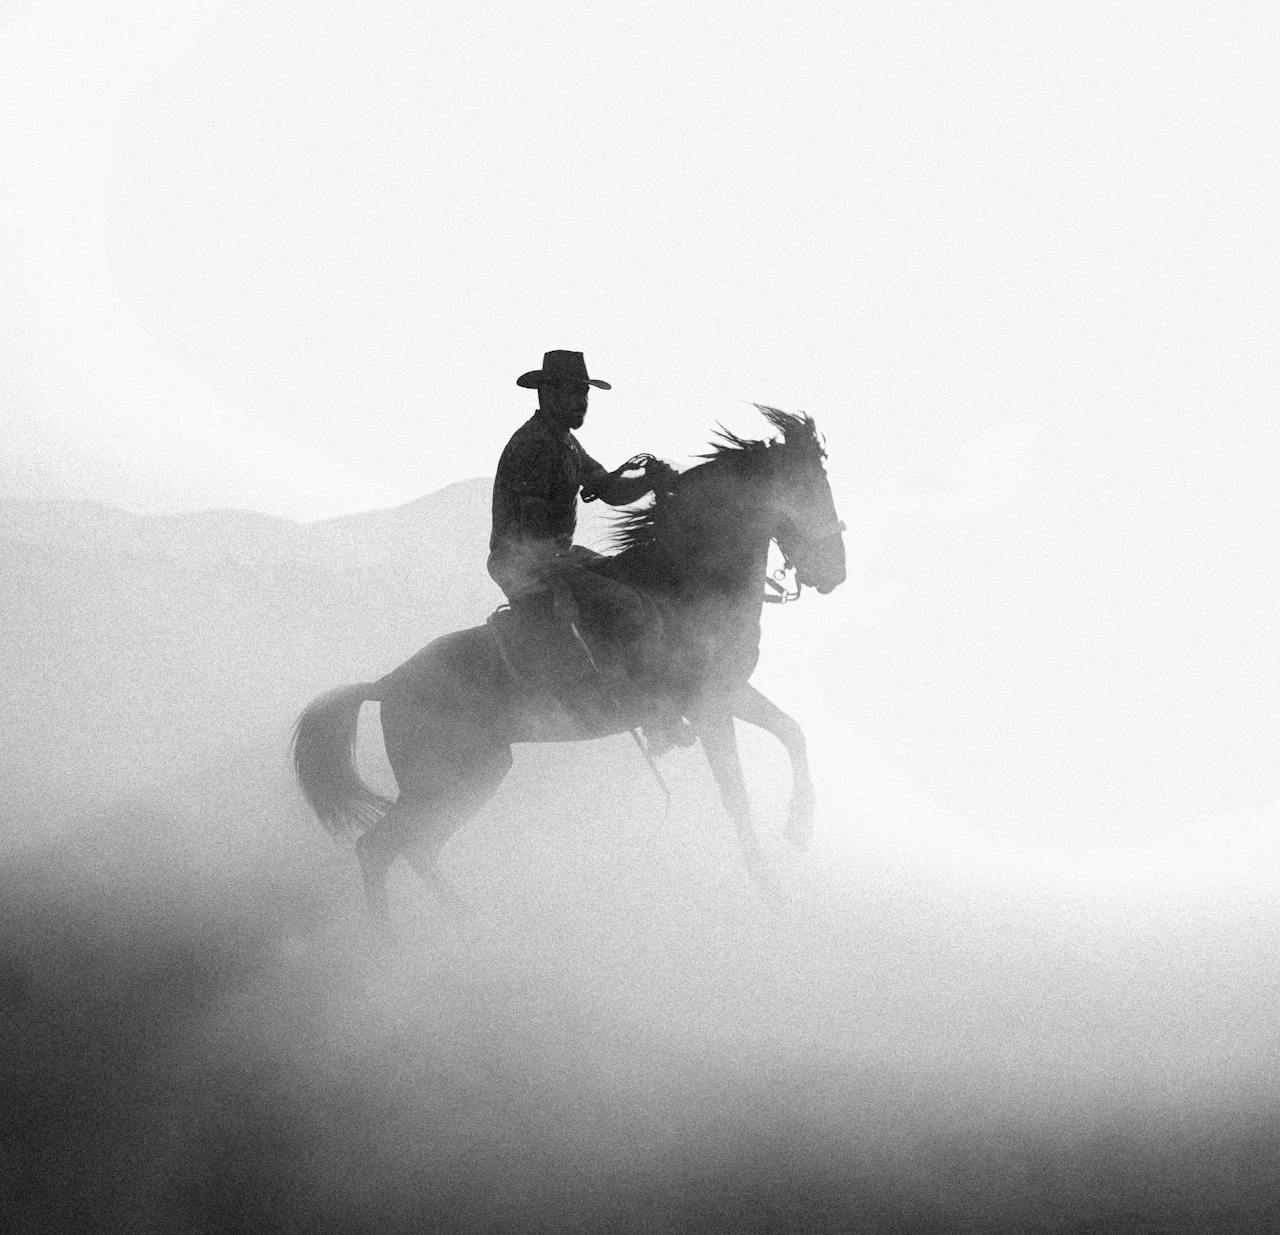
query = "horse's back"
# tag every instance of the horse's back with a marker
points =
(463, 682)
(464, 663)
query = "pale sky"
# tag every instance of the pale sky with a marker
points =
(292, 256)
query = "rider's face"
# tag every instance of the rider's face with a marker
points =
(565, 402)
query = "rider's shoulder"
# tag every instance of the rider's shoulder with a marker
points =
(532, 425)
(538, 429)
(530, 431)
(537, 434)
(529, 447)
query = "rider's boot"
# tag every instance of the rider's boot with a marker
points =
(664, 727)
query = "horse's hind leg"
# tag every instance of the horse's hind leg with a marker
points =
(420, 822)
(450, 810)
(379, 847)
(411, 743)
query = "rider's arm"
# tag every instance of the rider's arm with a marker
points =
(618, 490)
(615, 488)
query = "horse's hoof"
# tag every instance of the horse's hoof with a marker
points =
(800, 820)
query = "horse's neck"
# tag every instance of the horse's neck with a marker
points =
(724, 542)
(733, 564)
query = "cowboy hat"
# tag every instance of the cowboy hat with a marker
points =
(560, 367)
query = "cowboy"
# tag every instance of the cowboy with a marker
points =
(532, 556)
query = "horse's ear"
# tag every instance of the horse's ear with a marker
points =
(802, 433)
(798, 429)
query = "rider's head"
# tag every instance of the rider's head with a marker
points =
(564, 402)
(563, 386)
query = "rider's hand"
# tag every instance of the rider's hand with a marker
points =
(660, 475)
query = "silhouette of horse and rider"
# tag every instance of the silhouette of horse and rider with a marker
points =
(664, 629)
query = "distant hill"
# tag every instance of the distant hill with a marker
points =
(454, 519)
(139, 647)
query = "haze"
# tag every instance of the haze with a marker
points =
(271, 272)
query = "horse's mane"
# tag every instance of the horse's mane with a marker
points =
(799, 434)
(638, 529)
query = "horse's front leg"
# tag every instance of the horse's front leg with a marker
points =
(715, 728)
(750, 705)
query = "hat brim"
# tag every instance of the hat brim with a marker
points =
(535, 378)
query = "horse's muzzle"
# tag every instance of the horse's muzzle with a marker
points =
(824, 567)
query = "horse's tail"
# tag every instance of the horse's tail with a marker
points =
(324, 761)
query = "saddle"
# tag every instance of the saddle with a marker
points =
(590, 671)
(548, 658)
(609, 666)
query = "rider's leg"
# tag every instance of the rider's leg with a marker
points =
(624, 634)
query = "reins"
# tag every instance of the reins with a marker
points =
(634, 464)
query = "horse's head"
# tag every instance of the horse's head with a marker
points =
(809, 531)
(715, 520)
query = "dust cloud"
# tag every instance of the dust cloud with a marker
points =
(203, 1033)
(955, 1019)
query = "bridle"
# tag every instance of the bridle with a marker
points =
(785, 591)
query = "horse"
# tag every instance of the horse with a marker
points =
(451, 713)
